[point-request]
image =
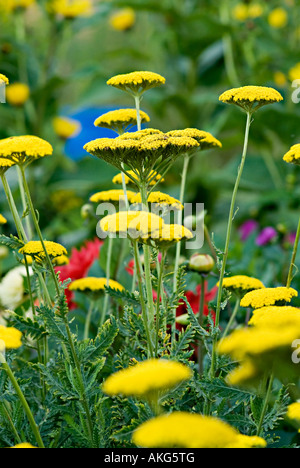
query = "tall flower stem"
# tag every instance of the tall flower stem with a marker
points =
(108, 264)
(13, 209)
(232, 318)
(88, 320)
(228, 236)
(160, 293)
(23, 401)
(292, 264)
(265, 405)
(143, 304)
(37, 228)
(200, 319)
(23, 198)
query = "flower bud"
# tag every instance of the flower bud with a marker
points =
(202, 263)
(87, 211)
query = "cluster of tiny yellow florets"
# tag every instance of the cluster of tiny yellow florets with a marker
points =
(94, 284)
(120, 119)
(36, 250)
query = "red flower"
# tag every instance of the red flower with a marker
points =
(79, 265)
(194, 301)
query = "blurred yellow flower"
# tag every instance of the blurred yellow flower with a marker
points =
(17, 94)
(122, 20)
(293, 412)
(23, 445)
(70, 9)
(147, 378)
(3, 79)
(2, 219)
(293, 155)
(272, 317)
(10, 338)
(294, 73)
(132, 224)
(65, 127)
(278, 18)
(119, 120)
(242, 12)
(268, 297)
(161, 199)
(113, 196)
(280, 79)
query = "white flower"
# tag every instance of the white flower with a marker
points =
(12, 287)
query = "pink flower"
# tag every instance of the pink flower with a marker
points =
(247, 229)
(266, 236)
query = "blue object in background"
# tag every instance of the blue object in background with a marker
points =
(86, 117)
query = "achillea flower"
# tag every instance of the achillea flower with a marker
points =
(268, 297)
(160, 199)
(293, 155)
(137, 83)
(120, 120)
(113, 196)
(70, 9)
(132, 224)
(240, 284)
(61, 260)
(189, 430)
(138, 135)
(168, 235)
(275, 317)
(206, 139)
(3, 80)
(147, 378)
(293, 412)
(280, 79)
(35, 249)
(247, 442)
(66, 128)
(23, 445)
(153, 178)
(122, 20)
(251, 98)
(94, 285)
(3, 220)
(5, 164)
(24, 149)
(17, 94)
(243, 12)
(278, 18)
(245, 375)
(10, 338)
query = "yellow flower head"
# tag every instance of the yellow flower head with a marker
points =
(24, 149)
(293, 412)
(113, 196)
(169, 235)
(140, 134)
(137, 82)
(280, 79)
(120, 120)
(23, 445)
(247, 442)
(35, 249)
(205, 139)
(3, 220)
(240, 284)
(188, 430)
(94, 285)
(61, 260)
(243, 12)
(251, 98)
(5, 164)
(10, 338)
(70, 9)
(132, 224)
(293, 155)
(147, 378)
(245, 375)
(153, 178)
(275, 317)
(65, 127)
(3, 80)
(294, 73)
(122, 20)
(17, 94)
(268, 297)
(160, 199)
(278, 18)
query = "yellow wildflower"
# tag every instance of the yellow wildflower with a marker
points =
(294, 73)
(280, 79)
(24, 149)
(147, 378)
(137, 82)
(65, 127)
(61, 260)
(113, 196)
(17, 94)
(247, 442)
(23, 445)
(169, 235)
(92, 284)
(10, 338)
(3, 220)
(240, 12)
(5, 164)
(3, 80)
(245, 375)
(187, 430)
(251, 98)
(272, 317)
(206, 139)
(132, 224)
(120, 120)
(140, 134)
(70, 9)
(35, 249)
(239, 284)
(268, 297)
(293, 412)
(123, 19)
(161, 199)
(293, 155)
(278, 18)
(154, 177)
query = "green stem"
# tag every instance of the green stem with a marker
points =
(88, 321)
(160, 292)
(13, 209)
(210, 244)
(228, 236)
(232, 318)
(200, 320)
(22, 399)
(37, 227)
(228, 46)
(292, 264)
(108, 264)
(24, 204)
(265, 406)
